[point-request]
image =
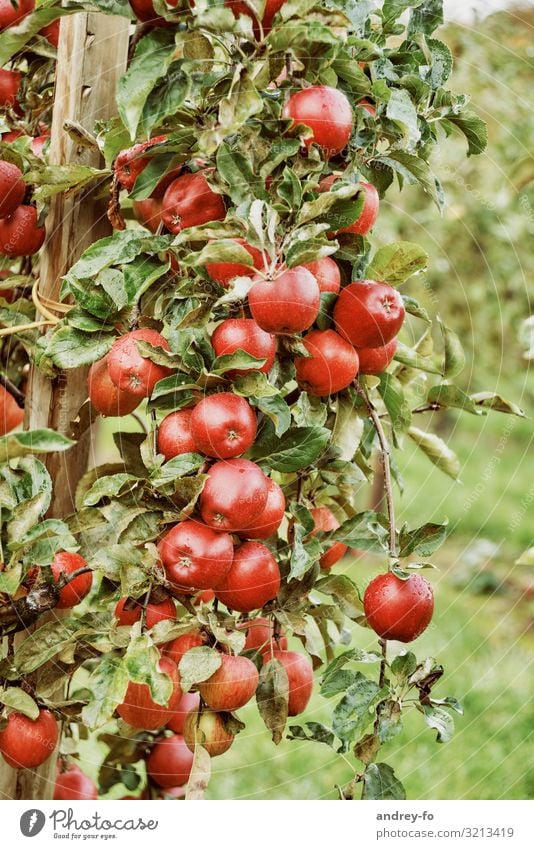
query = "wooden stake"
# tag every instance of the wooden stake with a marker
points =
(92, 54)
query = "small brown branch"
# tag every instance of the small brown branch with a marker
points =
(19, 396)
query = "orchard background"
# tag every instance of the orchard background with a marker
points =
(217, 98)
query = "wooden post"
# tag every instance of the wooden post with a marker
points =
(92, 54)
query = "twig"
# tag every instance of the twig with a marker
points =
(19, 396)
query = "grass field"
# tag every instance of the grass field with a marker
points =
(481, 633)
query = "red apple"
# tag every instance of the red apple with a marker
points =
(209, 731)
(325, 520)
(253, 580)
(327, 112)
(224, 272)
(74, 785)
(132, 372)
(188, 702)
(169, 762)
(369, 314)
(105, 397)
(326, 272)
(139, 708)
(376, 360)
(65, 563)
(232, 685)
(155, 612)
(27, 743)
(12, 185)
(174, 434)
(195, 556)
(397, 609)
(300, 676)
(223, 425)
(270, 519)
(332, 366)
(180, 645)
(287, 304)
(260, 635)
(189, 201)
(244, 334)
(234, 495)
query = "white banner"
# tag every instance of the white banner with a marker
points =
(269, 825)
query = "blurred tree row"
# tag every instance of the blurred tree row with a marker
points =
(481, 260)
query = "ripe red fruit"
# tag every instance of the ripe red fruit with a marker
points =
(397, 609)
(238, 7)
(139, 708)
(368, 107)
(300, 676)
(326, 272)
(11, 415)
(288, 304)
(232, 685)
(130, 162)
(174, 434)
(189, 202)
(253, 580)
(325, 520)
(37, 144)
(327, 112)
(209, 731)
(224, 272)
(368, 314)
(144, 11)
(155, 612)
(12, 186)
(260, 635)
(12, 12)
(188, 702)
(106, 398)
(65, 563)
(51, 33)
(244, 334)
(26, 743)
(132, 372)
(270, 519)
(376, 360)
(332, 366)
(204, 597)
(9, 88)
(74, 785)
(223, 425)
(369, 213)
(194, 556)
(234, 494)
(180, 645)
(20, 235)
(169, 762)
(148, 213)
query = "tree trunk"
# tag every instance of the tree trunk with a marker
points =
(92, 54)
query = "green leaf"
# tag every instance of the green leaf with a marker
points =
(55, 179)
(235, 169)
(272, 696)
(44, 643)
(315, 732)
(449, 395)
(414, 170)
(412, 359)
(348, 428)
(14, 38)
(297, 448)
(380, 782)
(176, 468)
(108, 684)
(69, 348)
(492, 401)
(344, 593)
(367, 530)
(108, 487)
(454, 352)
(19, 701)
(425, 17)
(436, 451)
(441, 720)
(397, 262)
(473, 128)
(142, 665)
(198, 664)
(441, 62)
(42, 441)
(404, 665)
(414, 308)
(303, 555)
(401, 110)
(151, 60)
(396, 403)
(424, 540)
(353, 713)
(165, 99)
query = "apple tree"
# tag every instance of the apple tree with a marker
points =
(235, 304)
